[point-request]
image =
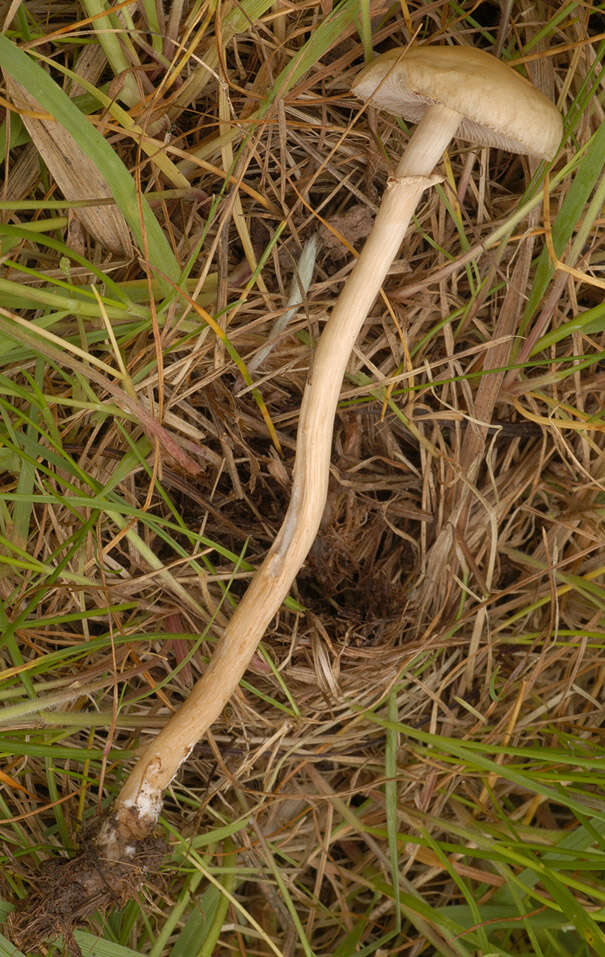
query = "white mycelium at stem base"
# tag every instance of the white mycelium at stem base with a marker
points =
(141, 796)
(444, 90)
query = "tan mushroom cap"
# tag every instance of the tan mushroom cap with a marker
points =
(498, 106)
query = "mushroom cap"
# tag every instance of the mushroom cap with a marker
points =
(498, 106)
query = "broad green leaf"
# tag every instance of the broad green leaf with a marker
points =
(26, 71)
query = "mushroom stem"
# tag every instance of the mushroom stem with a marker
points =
(140, 800)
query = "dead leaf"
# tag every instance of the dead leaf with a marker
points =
(75, 174)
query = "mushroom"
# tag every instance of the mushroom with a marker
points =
(448, 91)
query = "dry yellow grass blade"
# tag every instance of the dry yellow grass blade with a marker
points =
(75, 174)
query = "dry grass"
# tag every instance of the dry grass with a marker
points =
(414, 763)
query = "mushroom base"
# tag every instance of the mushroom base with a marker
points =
(67, 891)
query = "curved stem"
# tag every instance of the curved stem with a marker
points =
(140, 800)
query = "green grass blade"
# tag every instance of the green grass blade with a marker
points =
(390, 794)
(572, 210)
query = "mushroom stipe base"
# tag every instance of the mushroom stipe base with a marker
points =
(66, 891)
